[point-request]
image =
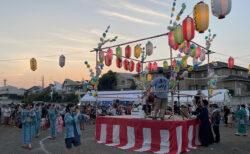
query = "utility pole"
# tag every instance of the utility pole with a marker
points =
(4, 82)
(43, 82)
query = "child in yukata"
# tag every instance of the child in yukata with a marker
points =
(59, 124)
(52, 112)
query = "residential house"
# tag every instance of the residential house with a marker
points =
(72, 87)
(124, 81)
(10, 92)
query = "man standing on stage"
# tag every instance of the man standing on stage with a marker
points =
(161, 85)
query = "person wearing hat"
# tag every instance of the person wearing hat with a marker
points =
(161, 84)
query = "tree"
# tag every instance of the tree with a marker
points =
(43, 96)
(133, 85)
(108, 81)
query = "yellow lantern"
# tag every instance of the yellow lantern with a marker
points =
(211, 91)
(33, 64)
(137, 51)
(184, 65)
(190, 69)
(201, 17)
(149, 77)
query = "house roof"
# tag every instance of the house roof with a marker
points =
(219, 65)
(69, 82)
(236, 78)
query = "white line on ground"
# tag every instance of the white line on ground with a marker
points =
(42, 145)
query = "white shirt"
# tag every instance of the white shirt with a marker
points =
(247, 111)
(113, 112)
(6, 112)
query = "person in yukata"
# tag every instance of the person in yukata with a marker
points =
(161, 84)
(72, 128)
(241, 115)
(27, 120)
(38, 112)
(59, 123)
(52, 112)
(205, 132)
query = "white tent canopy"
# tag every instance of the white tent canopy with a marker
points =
(131, 95)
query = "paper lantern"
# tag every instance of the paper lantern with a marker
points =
(127, 51)
(126, 64)
(118, 62)
(178, 34)
(119, 52)
(165, 65)
(131, 66)
(188, 28)
(197, 52)
(110, 54)
(221, 8)
(108, 61)
(149, 77)
(184, 65)
(101, 56)
(203, 55)
(138, 67)
(150, 67)
(201, 17)
(62, 60)
(230, 62)
(155, 66)
(137, 51)
(171, 40)
(149, 48)
(33, 64)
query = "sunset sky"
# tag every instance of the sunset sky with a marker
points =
(45, 29)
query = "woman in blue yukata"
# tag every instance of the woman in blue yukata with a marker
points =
(72, 129)
(28, 116)
(38, 112)
(52, 112)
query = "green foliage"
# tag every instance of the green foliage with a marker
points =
(133, 85)
(43, 96)
(108, 81)
(71, 98)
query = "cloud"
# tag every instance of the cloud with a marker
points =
(160, 2)
(120, 37)
(121, 4)
(128, 18)
(70, 37)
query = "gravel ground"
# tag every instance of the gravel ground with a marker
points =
(11, 140)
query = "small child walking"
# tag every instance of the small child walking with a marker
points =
(59, 123)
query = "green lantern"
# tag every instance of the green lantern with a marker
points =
(178, 34)
(119, 52)
(165, 65)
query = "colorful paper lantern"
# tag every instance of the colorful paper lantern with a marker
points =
(165, 65)
(198, 52)
(119, 52)
(62, 60)
(184, 65)
(149, 48)
(203, 55)
(101, 56)
(138, 67)
(108, 61)
(110, 54)
(221, 8)
(33, 64)
(230, 62)
(174, 63)
(127, 51)
(201, 17)
(155, 66)
(171, 40)
(131, 66)
(118, 62)
(150, 67)
(137, 51)
(188, 28)
(149, 77)
(178, 34)
(126, 64)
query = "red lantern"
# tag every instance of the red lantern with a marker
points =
(171, 40)
(188, 28)
(118, 62)
(110, 54)
(131, 66)
(155, 66)
(138, 67)
(230, 62)
(107, 61)
(197, 52)
(125, 64)
(150, 67)
(174, 63)
(127, 51)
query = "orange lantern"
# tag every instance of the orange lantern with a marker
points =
(118, 62)
(33, 64)
(137, 51)
(138, 67)
(131, 66)
(174, 63)
(171, 40)
(127, 51)
(230, 62)
(201, 17)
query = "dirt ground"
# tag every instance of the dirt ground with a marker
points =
(11, 139)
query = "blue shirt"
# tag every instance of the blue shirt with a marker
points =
(161, 84)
